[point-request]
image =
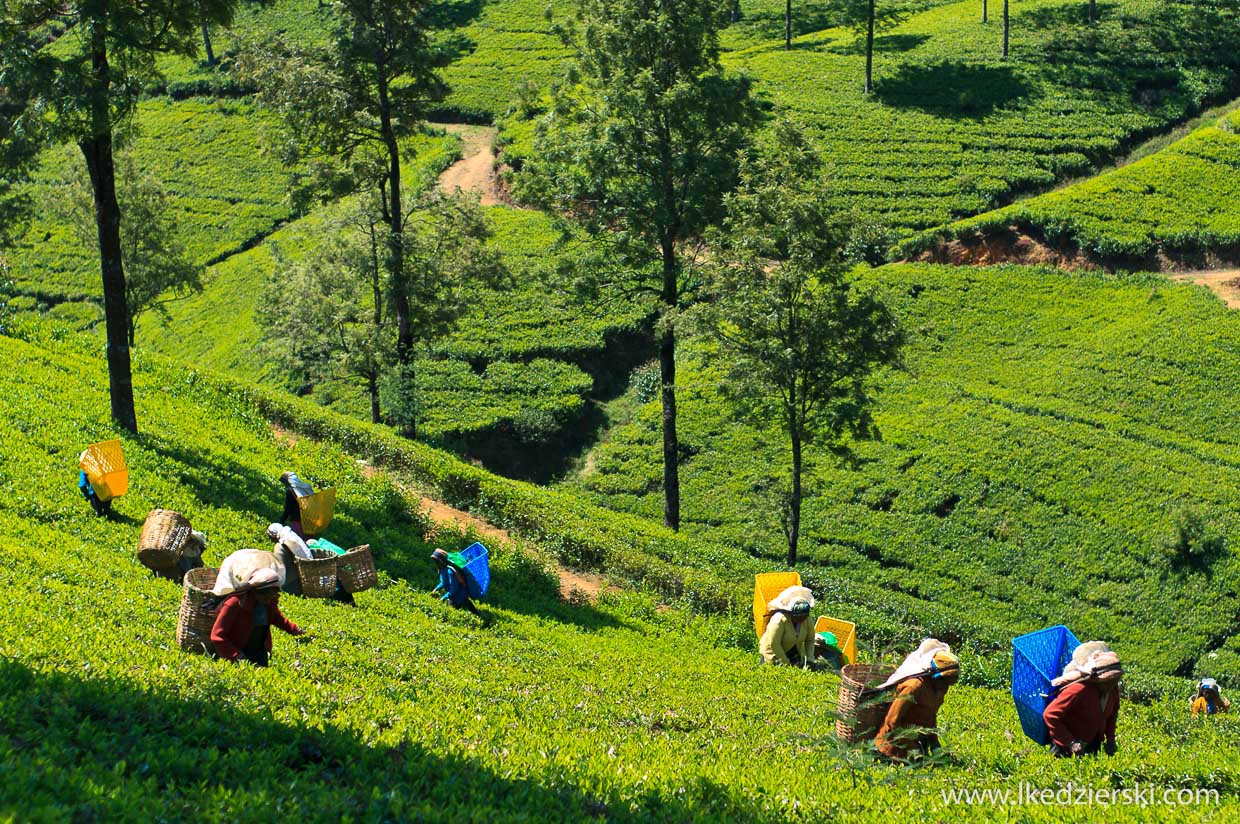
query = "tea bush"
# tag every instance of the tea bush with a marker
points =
(401, 709)
(1034, 456)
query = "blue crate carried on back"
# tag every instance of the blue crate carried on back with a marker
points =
(472, 561)
(1037, 659)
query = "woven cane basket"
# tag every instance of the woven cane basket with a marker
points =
(861, 707)
(356, 569)
(196, 620)
(318, 575)
(163, 540)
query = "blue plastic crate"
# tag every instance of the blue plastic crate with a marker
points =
(473, 561)
(1037, 659)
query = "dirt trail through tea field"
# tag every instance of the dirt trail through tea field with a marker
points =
(1225, 283)
(475, 171)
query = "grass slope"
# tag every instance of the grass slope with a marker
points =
(224, 192)
(1184, 199)
(1035, 454)
(400, 709)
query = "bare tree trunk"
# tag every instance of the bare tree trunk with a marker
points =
(794, 504)
(667, 371)
(97, 150)
(1093, 10)
(985, 12)
(372, 386)
(206, 42)
(1006, 27)
(787, 25)
(396, 251)
(869, 50)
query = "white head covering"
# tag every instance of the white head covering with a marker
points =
(918, 661)
(790, 596)
(285, 535)
(237, 569)
(1080, 665)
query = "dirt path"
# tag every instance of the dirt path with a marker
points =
(475, 171)
(573, 585)
(1225, 283)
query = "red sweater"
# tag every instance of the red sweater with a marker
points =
(1077, 714)
(235, 622)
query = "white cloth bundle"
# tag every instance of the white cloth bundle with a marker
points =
(918, 661)
(1082, 662)
(237, 568)
(285, 535)
(790, 596)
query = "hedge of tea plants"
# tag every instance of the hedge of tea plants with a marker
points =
(1050, 437)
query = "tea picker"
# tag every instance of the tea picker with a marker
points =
(921, 684)
(1208, 700)
(307, 512)
(1080, 720)
(463, 576)
(102, 475)
(788, 638)
(242, 630)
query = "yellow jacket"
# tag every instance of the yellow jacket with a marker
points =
(1200, 705)
(781, 637)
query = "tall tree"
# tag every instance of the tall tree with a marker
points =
(865, 18)
(799, 344)
(985, 11)
(640, 147)
(158, 268)
(326, 315)
(87, 86)
(354, 103)
(1007, 27)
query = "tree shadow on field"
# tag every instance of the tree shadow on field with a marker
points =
(106, 750)
(806, 19)
(953, 89)
(887, 43)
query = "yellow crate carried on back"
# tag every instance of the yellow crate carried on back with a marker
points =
(766, 586)
(104, 465)
(845, 633)
(316, 511)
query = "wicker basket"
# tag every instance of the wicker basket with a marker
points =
(356, 569)
(318, 575)
(195, 621)
(861, 707)
(163, 540)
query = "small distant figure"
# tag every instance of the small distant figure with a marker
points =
(242, 630)
(1209, 701)
(788, 640)
(827, 652)
(191, 553)
(102, 507)
(921, 684)
(452, 584)
(294, 488)
(1081, 717)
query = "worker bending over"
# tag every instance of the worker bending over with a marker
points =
(789, 639)
(1081, 718)
(242, 630)
(921, 684)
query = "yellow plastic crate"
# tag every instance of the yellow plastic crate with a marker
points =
(104, 465)
(765, 587)
(845, 633)
(316, 511)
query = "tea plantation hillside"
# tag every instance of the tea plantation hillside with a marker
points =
(515, 364)
(1049, 434)
(1183, 201)
(401, 710)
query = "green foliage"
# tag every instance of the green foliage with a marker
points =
(1192, 539)
(1183, 199)
(401, 708)
(157, 266)
(224, 194)
(1027, 459)
(799, 347)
